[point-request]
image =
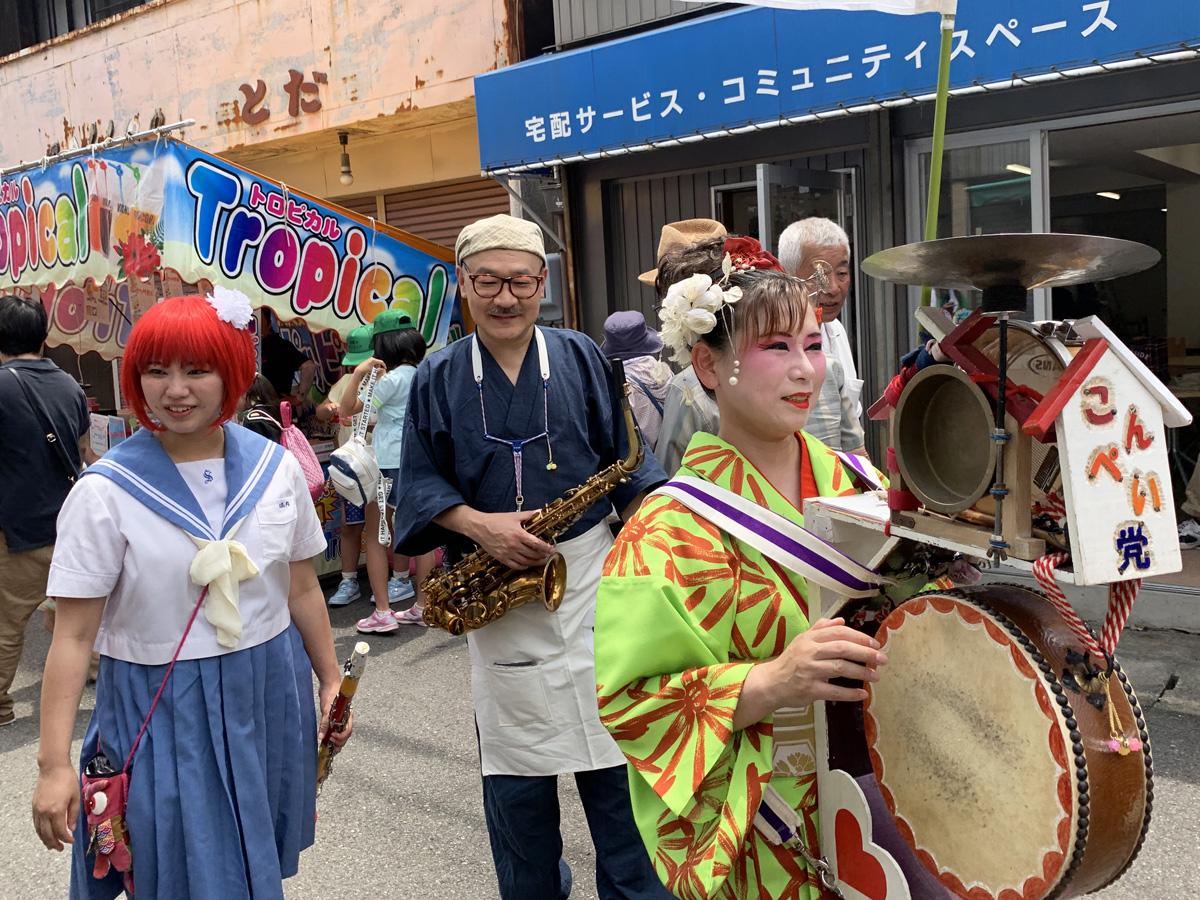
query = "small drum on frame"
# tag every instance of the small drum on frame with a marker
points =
(943, 422)
(999, 771)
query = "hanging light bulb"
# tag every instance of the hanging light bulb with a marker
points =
(347, 176)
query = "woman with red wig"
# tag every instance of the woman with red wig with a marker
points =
(184, 556)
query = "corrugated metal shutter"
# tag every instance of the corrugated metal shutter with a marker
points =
(364, 206)
(438, 213)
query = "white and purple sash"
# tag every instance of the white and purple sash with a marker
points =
(865, 473)
(792, 546)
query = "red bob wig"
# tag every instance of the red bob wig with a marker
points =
(187, 330)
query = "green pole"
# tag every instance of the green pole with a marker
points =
(939, 141)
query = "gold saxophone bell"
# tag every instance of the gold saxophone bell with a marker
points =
(480, 589)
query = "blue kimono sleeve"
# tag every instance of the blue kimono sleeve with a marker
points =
(609, 436)
(427, 479)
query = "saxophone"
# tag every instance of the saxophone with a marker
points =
(479, 589)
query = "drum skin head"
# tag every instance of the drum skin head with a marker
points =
(978, 777)
(996, 774)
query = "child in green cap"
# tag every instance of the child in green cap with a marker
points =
(358, 349)
(398, 348)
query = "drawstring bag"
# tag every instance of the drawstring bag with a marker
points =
(353, 468)
(296, 443)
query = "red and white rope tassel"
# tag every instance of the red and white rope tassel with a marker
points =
(1043, 571)
(1121, 595)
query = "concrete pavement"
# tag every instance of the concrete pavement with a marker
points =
(402, 816)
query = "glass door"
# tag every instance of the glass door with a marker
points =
(787, 195)
(781, 195)
(992, 183)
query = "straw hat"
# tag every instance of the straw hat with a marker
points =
(682, 234)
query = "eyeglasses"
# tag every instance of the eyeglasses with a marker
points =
(522, 287)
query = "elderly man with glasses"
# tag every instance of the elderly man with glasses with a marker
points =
(500, 424)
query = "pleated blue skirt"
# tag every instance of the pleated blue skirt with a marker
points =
(222, 796)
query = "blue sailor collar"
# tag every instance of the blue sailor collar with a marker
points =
(142, 468)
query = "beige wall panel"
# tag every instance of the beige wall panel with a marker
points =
(390, 67)
(444, 152)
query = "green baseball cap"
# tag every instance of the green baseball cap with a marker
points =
(358, 345)
(392, 320)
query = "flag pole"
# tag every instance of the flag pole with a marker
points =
(939, 140)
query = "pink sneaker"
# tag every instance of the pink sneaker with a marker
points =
(378, 623)
(411, 616)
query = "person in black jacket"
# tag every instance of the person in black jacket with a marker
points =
(37, 397)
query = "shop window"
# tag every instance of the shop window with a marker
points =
(102, 9)
(1139, 179)
(24, 23)
(986, 189)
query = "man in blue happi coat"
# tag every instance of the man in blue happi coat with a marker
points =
(500, 424)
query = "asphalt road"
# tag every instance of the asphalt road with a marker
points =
(402, 816)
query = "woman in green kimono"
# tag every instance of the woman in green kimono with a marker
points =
(700, 637)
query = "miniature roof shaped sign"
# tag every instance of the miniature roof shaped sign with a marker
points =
(1110, 414)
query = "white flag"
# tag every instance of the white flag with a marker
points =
(898, 7)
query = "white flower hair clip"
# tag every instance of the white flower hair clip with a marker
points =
(232, 306)
(690, 310)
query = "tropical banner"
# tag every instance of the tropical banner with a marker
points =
(100, 238)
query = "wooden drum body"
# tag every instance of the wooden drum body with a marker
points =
(943, 422)
(996, 769)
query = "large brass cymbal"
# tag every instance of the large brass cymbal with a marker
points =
(989, 261)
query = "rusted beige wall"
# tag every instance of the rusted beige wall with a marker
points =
(419, 156)
(390, 67)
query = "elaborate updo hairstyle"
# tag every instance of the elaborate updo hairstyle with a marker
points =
(703, 258)
(772, 301)
(187, 330)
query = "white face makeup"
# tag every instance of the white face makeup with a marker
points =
(779, 378)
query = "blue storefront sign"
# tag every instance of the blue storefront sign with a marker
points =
(760, 66)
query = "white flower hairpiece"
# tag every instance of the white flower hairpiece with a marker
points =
(232, 306)
(690, 310)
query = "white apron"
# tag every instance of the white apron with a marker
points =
(533, 677)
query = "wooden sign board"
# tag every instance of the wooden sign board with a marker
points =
(1117, 477)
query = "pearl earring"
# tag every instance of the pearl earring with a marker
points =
(737, 369)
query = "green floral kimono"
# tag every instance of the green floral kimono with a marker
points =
(683, 610)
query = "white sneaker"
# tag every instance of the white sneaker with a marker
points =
(1189, 534)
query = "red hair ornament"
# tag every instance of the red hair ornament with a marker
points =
(746, 253)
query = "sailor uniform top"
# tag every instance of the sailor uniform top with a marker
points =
(111, 544)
